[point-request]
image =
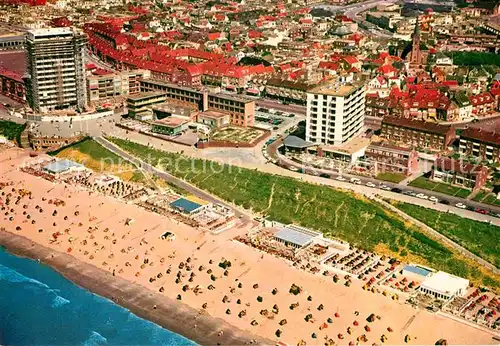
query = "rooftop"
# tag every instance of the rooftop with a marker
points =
(335, 88)
(490, 137)
(173, 109)
(445, 283)
(296, 142)
(61, 166)
(171, 121)
(185, 205)
(417, 125)
(214, 114)
(296, 235)
(144, 95)
(350, 147)
(232, 97)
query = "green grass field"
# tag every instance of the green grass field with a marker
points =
(486, 197)
(11, 130)
(99, 159)
(335, 213)
(391, 177)
(480, 238)
(447, 189)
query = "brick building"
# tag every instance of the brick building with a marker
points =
(417, 133)
(382, 158)
(376, 106)
(12, 86)
(457, 173)
(481, 144)
(483, 104)
(241, 110)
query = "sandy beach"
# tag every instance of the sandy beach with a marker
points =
(86, 237)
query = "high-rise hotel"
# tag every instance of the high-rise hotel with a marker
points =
(335, 112)
(56, 75)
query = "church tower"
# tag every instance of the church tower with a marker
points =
(416, 55)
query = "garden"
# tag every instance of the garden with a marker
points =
(448, 189)
(236, 134)
(336, 213)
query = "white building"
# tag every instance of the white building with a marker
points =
(335, 112)
(444, 286)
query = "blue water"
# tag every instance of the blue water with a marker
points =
(39, 306)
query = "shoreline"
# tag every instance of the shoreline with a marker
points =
(170, 314)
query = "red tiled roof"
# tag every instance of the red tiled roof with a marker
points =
(482, 99)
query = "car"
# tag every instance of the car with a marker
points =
(461, 206)
(397, 190)
(482, 211)
(408, 192)
(422, 196)
(355, 181)
(340, 178)
(370, 184)
(385, 187)
(470, 208)
(433, 199)
(324, 175)
(444, 201)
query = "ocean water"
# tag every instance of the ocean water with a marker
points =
(38, 306)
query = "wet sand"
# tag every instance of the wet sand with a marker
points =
(90, 237)
(170, 314)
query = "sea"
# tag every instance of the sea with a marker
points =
(38, 306)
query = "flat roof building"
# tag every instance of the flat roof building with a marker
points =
(62, 166)
(444, 286)
(186, 206)
(296, 236)
(335, 112)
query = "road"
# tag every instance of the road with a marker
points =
(364, 6)
(168, 177)
(369, 191)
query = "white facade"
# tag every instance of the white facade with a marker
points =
(335, 113)
(444, 286)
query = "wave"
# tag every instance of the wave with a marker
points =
(10, 275)
(95, 339)
(59, 301)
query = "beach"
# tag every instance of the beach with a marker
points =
(115, 249)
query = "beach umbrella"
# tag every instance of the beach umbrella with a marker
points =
(337, 315)
(323, 326)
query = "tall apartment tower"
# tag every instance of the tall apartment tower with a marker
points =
(335, 112)
(56, 74)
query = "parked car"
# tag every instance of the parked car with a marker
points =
(385, 187)
(340, 178)
(324, 175)
(397, 190)
(433, 199)
(461, 206)
(444, 201)
(422, 196)
(482, 211)
(355, 181)
(370, 184)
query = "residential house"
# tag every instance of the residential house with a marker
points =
(483, 104)
(386, 158)
(417, 133)
(481, 144)
(456, 172)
